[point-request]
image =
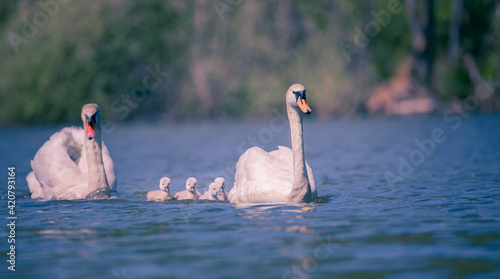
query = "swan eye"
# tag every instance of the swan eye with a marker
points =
(301, 94)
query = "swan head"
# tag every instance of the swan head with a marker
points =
(165, 184)
(91, 117)
(191, 184)
(296, 98)
(213, 189)
(220, 181)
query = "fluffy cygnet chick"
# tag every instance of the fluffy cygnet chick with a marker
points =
(190, 193)
(163, 194)
(221, 193)
(211, 193)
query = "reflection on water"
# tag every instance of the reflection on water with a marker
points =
(441, 222)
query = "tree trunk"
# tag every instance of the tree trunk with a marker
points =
(454, 31)
(198, 74)
(418, 42)
(429, 52)
(422, 45)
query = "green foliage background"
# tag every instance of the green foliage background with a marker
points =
(98, 51)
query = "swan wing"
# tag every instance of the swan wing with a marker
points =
(262, 176)
(285, 153)
(265, 177)
(55, 166)
(109, 167)
(312, 182)
(34, 186)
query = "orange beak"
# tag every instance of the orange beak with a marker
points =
(89, 130)
(303, 105)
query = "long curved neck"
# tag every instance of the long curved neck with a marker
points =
(301, 189)
(98, 184)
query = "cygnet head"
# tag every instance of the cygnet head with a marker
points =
(165, 184)
(221, 181)
(296, 98)
(91, 117)
(191, 184)
(213, 189)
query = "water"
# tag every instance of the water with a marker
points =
(441, 222)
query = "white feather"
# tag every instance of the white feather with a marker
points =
(265, 177)
(60, 167)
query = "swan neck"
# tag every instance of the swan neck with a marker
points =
(96, 173)
(301, 189)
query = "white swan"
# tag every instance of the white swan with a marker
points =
(163, 194)
(282, 175)
(74, 163)
(190, 193)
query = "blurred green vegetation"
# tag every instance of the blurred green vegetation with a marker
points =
(224, 58)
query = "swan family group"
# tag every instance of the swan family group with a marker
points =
(75, 164)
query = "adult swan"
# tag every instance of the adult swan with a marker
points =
(74, 163)
(282, 175)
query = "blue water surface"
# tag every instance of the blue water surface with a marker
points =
(387, 208)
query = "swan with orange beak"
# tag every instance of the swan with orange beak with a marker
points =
(74, 163)
(279, 176)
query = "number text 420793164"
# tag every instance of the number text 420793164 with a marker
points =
(11, 217)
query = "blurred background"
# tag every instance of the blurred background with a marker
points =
(394, 201)
(169, 60)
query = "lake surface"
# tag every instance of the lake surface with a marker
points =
(441, 221)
